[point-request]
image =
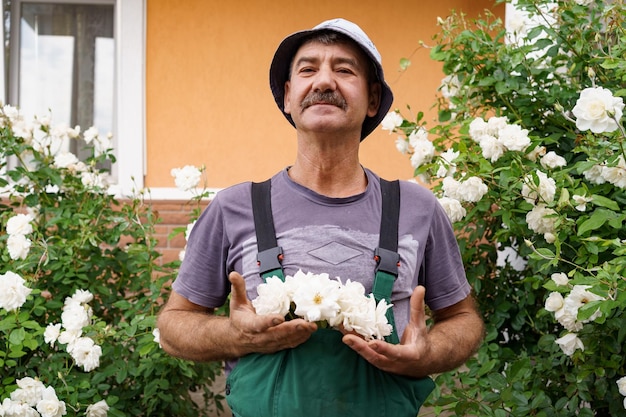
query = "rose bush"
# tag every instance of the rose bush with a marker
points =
(528, 158)
(80, 285)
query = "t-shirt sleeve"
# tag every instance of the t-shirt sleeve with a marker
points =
(444, 275)
(202, 277)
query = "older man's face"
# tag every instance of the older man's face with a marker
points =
(328, 91)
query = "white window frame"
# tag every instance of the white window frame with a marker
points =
(129, 96)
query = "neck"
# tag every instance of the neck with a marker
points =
(331, 168)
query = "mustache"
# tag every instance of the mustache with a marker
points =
(326, 97)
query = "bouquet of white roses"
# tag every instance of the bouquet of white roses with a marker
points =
(317, 298)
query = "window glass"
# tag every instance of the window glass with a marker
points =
(63, 60)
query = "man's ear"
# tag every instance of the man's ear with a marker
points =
(374, 99)
(286, 100)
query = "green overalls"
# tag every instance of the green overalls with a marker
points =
(323, 377)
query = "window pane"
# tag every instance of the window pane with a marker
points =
(66, 63)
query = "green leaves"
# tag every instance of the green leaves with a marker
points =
(570, 219)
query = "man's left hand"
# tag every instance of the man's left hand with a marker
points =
(404, 358)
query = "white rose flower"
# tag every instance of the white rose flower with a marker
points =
(597, 110)
(30, 391)
(417, 136)
(594, 174)
(73, 132)
(513, 137)
(581, 202)
(355, 313)
(537, 152)
(86, 353)
(18, 246)
(19, 225)
(621, 385)
(90, 134)
(50, 406)
(65, 160)
(451, 187)
(578, 297)
(570, 343)
(453, 208)
(491, 147)
(542, 193)
(17, 409)
(616, 175)
(472, 189)
(13, 292)
(274, 297)
(423, 152)
(391, 121)
(94, 180)
(318, 300)
(540, 219)
(52, 332)
(447, 167)
(568, 318)
(75, 317)
(477, 129)
(99, 409)
(383, 328)
(82, 296)
(362, 314)
(560, 278)
(549, 237)
(101, 145)
(552, 160)
(554, 302)
(68, 337)
(496, 124)
(186, 178)
(402, 145)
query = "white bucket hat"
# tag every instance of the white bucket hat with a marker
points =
(279, 70)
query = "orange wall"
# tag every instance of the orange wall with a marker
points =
(208, 97)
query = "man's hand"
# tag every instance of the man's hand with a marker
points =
(454, 337)
(193, 332)
(262, 334)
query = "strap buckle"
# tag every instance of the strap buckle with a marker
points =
(387, 261)
(270, 259)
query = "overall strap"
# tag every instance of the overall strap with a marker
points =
(386, 254)
(270, 254)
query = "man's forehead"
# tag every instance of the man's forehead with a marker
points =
(345, 52)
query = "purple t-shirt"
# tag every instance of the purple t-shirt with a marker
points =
(320, 234)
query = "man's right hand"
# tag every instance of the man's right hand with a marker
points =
(191, 331)
(262, 334)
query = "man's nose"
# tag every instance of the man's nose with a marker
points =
(324, 80)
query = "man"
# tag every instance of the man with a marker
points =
(329, 84)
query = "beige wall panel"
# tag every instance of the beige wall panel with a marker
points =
(208, 97)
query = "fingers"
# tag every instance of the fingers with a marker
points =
(238, 291)
(418, 311)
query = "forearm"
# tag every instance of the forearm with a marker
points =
(197, 336)
(451, 343)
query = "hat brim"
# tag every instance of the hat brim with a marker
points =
(279, 73)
